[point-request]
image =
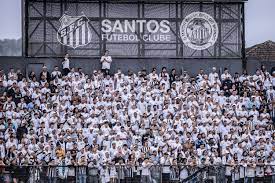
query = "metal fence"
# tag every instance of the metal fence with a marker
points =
(273, 115)
(137, 174)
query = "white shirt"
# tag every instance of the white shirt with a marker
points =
(106, 62)
(66, 63)
(165, 161)
(145, 168)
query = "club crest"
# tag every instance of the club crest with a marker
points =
(199, 31)
(74, 31)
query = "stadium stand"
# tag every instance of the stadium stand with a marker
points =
(136, 127)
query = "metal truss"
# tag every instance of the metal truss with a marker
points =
(41, 23)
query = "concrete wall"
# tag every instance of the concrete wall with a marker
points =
(89, 64)
(253, 64)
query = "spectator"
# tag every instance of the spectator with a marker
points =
(106, 61)
(56, 73)
(44, 75)
(66, 65)
(116, 128)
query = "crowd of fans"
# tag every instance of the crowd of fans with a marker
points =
(139, 120)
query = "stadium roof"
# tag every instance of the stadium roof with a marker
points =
(264, 51)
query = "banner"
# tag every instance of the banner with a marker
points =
(198, 31)
(134, 29)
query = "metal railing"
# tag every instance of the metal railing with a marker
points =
(138, 174)
(273, 115)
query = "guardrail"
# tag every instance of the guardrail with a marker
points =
(139, 174)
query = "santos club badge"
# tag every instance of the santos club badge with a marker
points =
(74, 31)
(199, 31)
